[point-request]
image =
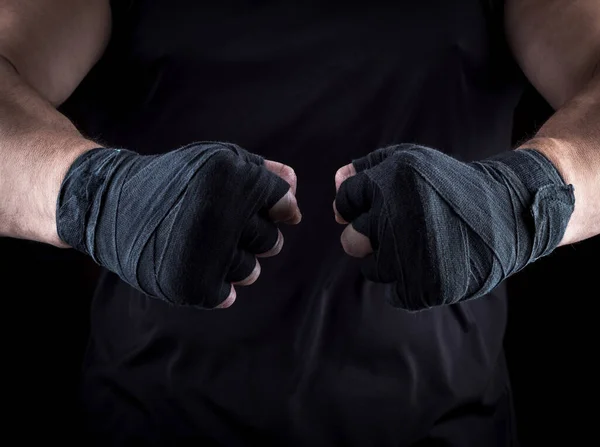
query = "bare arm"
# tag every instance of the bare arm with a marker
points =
(557, 44)
(46, 49)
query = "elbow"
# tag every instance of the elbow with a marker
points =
(43, 86)
(577, 82)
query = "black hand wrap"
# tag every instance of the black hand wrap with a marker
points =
(180, 226)
(447, 231)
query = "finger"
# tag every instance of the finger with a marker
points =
(354, 197)
(342, 174)
(338, 218)
(354, 243)
(365, 225)
(286, 210)
(229, 300)
(242, 266)
(280, 204)
(276, 188)
(283, 171)
(275, 250)
(251, 279)
(259, 235)
(380, 265)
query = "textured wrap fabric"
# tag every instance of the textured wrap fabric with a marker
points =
(180, 226)
(447, 231)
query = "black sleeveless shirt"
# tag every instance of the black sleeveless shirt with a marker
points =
(311, 354)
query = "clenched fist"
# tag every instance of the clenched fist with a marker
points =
(446, 231)
(184, 226)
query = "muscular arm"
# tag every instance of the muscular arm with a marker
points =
(46, 48)
(557, 44)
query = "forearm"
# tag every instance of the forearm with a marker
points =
(571, 140)
(37, 145)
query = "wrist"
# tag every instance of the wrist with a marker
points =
(577, 168)
(37, 146)
(58, 167)
(31, 187)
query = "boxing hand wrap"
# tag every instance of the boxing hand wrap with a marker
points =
(180, 226)
(446, 231)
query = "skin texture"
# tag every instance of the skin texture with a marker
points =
(557, 45)
(46, 49)
(48, 46)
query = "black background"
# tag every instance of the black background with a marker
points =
(550, 340)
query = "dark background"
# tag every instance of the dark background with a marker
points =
(550, 340)
(552, 331)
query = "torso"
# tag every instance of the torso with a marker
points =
(311, 354)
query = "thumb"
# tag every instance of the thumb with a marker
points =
(342, 174)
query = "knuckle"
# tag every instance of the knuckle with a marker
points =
(278, 246)
(355, 244)
(275, 250)
(347, 244)
(288, 174)
(255, 273)
(286, 208)
(222, 156)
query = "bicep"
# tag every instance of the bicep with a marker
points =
(53, 43)
(556, 43)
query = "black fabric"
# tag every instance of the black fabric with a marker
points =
(445, 231)
(180, 226)
(311, 354)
